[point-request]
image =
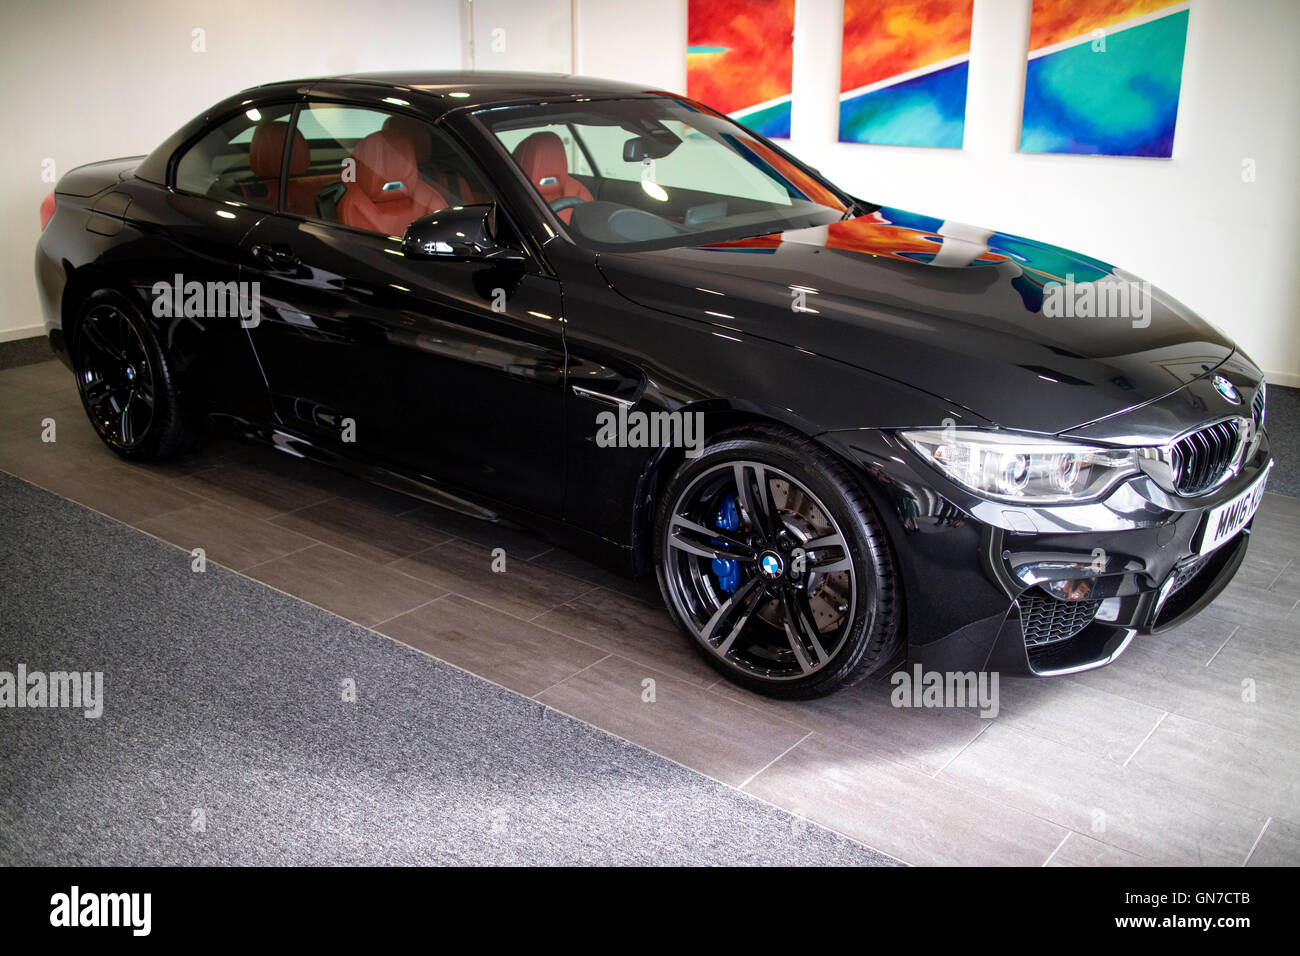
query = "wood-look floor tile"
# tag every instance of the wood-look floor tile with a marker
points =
(227, 536)
(522, 589)
(358, 529)
(351, 587)
(632, 629)
(501, 648)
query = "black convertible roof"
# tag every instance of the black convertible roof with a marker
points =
(446, 91)
(465, 88)
(501, 85)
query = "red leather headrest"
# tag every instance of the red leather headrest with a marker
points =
(541, 156)
(267, 147)
(415, 132)
(385, 166)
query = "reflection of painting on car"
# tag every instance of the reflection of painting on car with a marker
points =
(740, 60)
(1103, 78)
(903, 72)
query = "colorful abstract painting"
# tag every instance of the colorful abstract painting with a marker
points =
(903, 72)
(740, 60)
(1103, 77)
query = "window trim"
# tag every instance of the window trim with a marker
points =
(173, 163)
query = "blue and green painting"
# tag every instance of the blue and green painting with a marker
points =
(1103, 77)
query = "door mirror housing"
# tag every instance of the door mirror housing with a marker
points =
(458, 232)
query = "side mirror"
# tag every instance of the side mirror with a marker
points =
(458, 232)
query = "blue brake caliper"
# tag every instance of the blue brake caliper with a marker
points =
(726, 570)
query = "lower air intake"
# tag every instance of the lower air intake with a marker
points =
(1047, 620)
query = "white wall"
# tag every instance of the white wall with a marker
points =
(632, 40)
(532, 35)
(1226, 248)
(86, 80)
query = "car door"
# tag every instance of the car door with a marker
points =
(221, 184)
(451, 369)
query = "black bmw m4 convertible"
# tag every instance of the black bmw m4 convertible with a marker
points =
(835, 431)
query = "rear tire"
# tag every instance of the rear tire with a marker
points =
(774, 563)
(125, 382)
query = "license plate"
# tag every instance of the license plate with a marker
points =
(1231, 516)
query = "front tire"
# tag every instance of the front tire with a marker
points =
(124, 380)
(774, 563)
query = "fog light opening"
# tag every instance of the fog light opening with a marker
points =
(1075, 589)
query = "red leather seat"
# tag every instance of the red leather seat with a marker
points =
(264, 155)
(388, 194)
(543, 160)
(439, 172)
(415, 132)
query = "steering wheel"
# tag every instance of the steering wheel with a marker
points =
(561, 203)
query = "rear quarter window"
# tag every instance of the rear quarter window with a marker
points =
(222, 165)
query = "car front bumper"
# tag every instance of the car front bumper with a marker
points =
(983, 597)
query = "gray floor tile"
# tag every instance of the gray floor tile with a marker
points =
(1256, 772)
(1125, 807)
(722, 738)
(1079, 850)
(1081, 718)
(1214, 695)
(1197, 640)
(1279, 845)
(910, 815)
(924, 739)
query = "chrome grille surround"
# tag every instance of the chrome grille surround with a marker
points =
(1204, 459)
(1199, 461)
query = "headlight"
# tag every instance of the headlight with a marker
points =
(1023, 468)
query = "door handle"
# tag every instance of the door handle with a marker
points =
(611, 399)
(275, 255)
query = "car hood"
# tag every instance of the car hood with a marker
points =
(985, 320)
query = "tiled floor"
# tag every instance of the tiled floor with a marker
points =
(1182, 752)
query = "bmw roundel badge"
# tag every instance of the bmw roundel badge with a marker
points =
(1226, 389)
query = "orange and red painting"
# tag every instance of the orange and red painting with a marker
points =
(740, 60)
(903, 71)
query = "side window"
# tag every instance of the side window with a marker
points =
(375, 170)
(239, 159)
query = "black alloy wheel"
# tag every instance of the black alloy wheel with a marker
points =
(773, 561)
(123, 379)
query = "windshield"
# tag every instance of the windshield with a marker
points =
(650, 173)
